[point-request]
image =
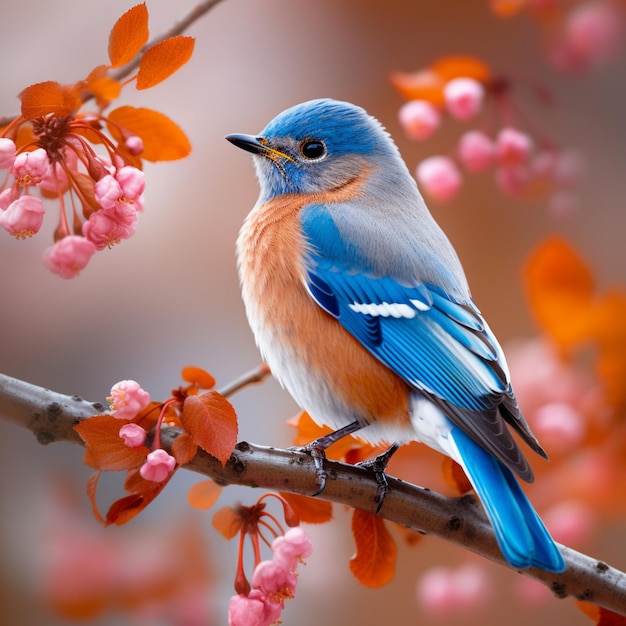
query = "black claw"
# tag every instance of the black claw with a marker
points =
(378, 465)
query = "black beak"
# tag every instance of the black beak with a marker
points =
(247, 142)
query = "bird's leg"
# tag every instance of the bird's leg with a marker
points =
(378, 465)
(317, 449)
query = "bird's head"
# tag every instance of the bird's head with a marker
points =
(317, 146)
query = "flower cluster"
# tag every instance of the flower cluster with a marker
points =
(89, 162)
(524, 166)
(579, 35)
(261, 601)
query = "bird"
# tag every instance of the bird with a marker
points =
(360, 306)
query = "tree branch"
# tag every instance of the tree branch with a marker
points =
(51, 416)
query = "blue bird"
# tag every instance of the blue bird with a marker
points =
(360, 306)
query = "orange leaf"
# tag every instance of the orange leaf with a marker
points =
(104, 87)
(375, 560)
(105, 449)
(204, 495)
(92, 486)
(143, 492)
(163, 59)
(227, 522)
(198, 376)
(309, 510)
(560, 289)
(184, 448)
(211, 420)
(461, 66)
(128, 35)
(50, 97)
(162, 139)
(420, 85)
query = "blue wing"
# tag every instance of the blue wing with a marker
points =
(439, 346)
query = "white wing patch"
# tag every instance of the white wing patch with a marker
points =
(384, 309)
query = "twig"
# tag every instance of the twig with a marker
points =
(253, 377)
(51, 417)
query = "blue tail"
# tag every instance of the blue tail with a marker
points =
(523, 538)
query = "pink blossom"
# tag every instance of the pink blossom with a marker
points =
(7, 153)
(419, 118)
(107, 191)
(463, 97)
(132, 184)
(252, 610)
(55, 180)
(559, 426)
(439, 177)
(105, 229)
(289, 549)
(513, 147)
(158, 466)
(133, 435)
(513, 181)
(23, 217)
(275, 581)
(68, 256)
(128, 399)
(570, 522)
(29, 168)
(476, 151)
(7, 196)
(134, 144)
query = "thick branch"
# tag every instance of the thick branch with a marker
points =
(51, 417)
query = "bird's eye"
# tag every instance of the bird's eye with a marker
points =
(312, 149)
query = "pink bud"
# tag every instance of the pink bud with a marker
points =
(132, 183)
(253, 610)
(276, 582)
(463, 97)
(476, 151)
(419, 118)
(158, 466)
(134, 144)
(7, 153)
(23, 217)
(107, 191)
(128, 399)
(7, 196)
(105, 228)
(29, 168)
(289, 549)
(440, 177)
(133, 435)
(68, 256)
(513, 147)
(513, 181)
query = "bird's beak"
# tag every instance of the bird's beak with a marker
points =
(256, 145)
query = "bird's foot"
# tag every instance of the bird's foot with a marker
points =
(378, 465)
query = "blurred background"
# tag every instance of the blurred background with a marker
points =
(169, 296)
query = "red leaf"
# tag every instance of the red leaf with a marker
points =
(49, 97)
(184, 448)
(211, 420)
(375, 559)
(309, 510)
(198, 377)
(128, 35)
(105, 449)
(204, 495)
(227, 522)
(143, 492)
(163, 59)
(92, 486)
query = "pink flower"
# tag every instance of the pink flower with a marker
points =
(275, 581)
(476, 151)
(134, 144)
(133, 435)
(132, 184)
(23, 217)
(55, 181)
(252, 610)
(513, 181)
(513, 147)
(105, 229)
(439, 177)
(158, 466)
(69, 256)
(7, 153)
(419, 118)
(289, 549)
(128, 399)
(463, 97)
(29, 168)
(107, 191)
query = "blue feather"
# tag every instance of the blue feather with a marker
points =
(521, 534)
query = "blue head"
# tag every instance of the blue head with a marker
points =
(316, 146)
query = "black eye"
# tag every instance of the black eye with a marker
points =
(312, 149)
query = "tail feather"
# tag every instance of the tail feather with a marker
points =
(522, 536)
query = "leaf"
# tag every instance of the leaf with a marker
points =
(204, 495)
(227, 522)
(142, 493)
(309, 510)
(461, 66)
(162, 59)
(560, 290)
(198, 376)
(105, 449)
(162, 139)
(184, 448)
(92, 486)
(211, 420)
(128, 35)
(48, 98)
(104, 87)
(375, 559)
(420, 85)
